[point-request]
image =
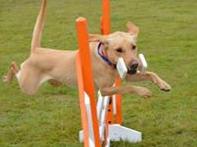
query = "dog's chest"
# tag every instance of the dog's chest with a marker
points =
(104, 77)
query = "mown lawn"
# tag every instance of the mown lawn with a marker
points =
(52, 117)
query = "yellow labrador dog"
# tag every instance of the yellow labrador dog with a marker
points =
(58, 66)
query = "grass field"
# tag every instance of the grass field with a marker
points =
(52, 117)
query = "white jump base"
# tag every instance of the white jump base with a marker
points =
(116, 132)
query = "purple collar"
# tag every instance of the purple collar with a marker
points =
(103, 56)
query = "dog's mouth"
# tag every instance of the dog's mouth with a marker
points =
(133, 68)
(132, 71)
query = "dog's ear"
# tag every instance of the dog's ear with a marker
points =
(98, 38)
(133, 29)
(94, 37)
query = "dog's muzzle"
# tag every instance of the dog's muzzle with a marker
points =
(133, 68)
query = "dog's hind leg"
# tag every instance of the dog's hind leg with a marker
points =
(13, 70)
(29, 80)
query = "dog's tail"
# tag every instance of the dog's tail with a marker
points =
(38, 28)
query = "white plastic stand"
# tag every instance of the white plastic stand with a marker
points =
(116, 131)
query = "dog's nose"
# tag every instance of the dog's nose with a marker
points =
(133, 67)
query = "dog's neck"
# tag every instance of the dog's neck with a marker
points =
(101, 53)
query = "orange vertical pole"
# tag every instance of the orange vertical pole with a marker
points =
(105, 19)
(105, 29)
(84, 117)
(118, 116)
(84, 55)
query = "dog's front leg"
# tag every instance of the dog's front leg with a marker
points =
(150, 76)
(141, 91)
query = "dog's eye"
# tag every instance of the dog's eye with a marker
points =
(133, 47)
(119, 50)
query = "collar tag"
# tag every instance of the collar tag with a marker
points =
(121, 67)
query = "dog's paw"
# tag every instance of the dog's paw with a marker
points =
(144, 92)
(164, 86)
(5, 79)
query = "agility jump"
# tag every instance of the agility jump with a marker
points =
(101, 123)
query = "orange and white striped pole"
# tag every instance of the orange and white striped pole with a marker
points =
(86, 87)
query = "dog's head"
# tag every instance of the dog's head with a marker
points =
(121, 44)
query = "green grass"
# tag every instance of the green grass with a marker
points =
(52, 117)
